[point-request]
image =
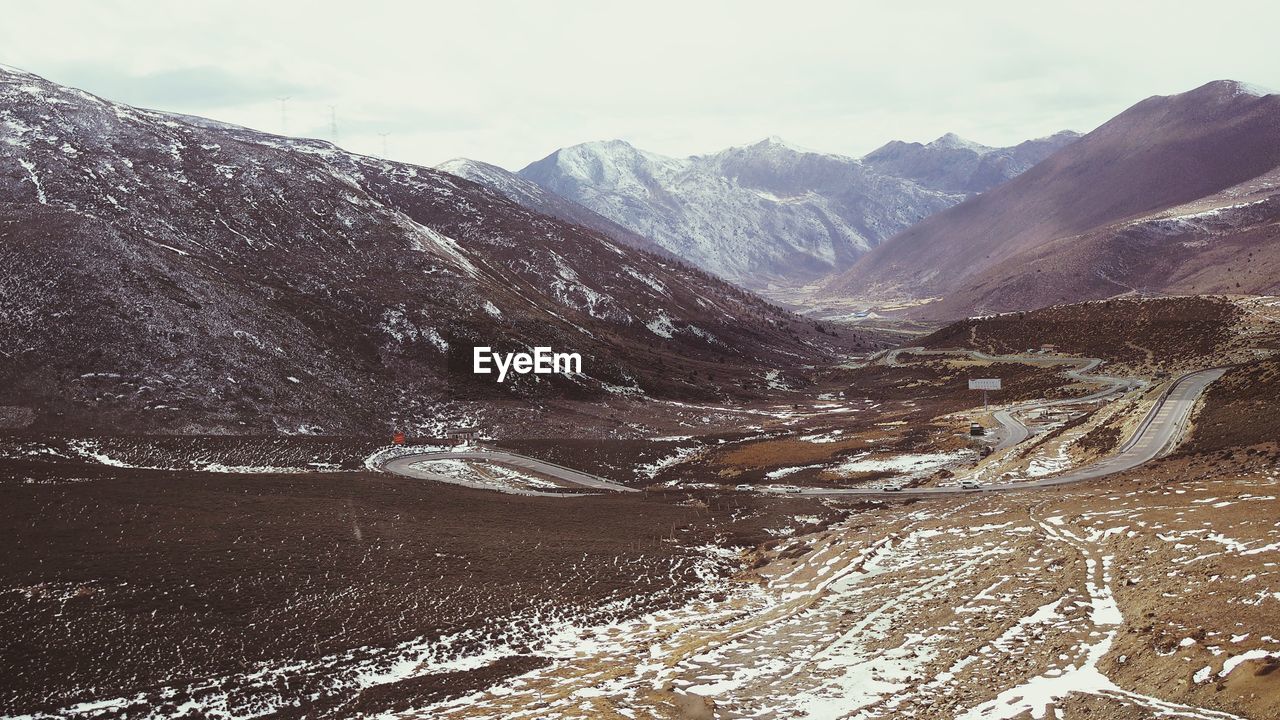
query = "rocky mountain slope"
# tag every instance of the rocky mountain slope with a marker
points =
(1176, 194)
(169, 273)
(540, 200)
(953, 164)
(771, 214)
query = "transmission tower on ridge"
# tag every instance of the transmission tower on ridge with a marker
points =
(284, 116)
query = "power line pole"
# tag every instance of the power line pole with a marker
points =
(333, 124)
(384, 135)
(284, 116)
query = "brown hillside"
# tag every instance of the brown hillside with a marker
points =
(1162, 331)
(1161, 153)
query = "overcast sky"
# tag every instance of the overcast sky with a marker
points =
(509, 82)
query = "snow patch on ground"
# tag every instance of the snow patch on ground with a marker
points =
(30, 167)
(491, 476)
(783, 472)
(828, 437)
(909, 465)
(661, 326)
(774, 380)
(91, 450)
(651, 470)
(1049, 464)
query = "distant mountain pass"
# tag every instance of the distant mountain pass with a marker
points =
(768, 214)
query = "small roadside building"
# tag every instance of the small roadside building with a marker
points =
(459, 435)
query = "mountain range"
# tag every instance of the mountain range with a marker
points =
(1173, 196)
(768, 214)
(1177, 194)
(166, 273)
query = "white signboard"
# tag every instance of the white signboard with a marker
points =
(985, 384)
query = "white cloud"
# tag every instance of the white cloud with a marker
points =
(510, 81)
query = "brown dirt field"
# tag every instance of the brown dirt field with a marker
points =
(1182, 578)
(788, 451)
(122, 582)
(118, 582)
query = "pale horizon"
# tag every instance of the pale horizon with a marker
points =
(508, 84)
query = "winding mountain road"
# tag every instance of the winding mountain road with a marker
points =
(1159, 431)
(412, 466)
(1012, 430)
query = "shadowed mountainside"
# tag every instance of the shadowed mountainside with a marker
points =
(171, 273)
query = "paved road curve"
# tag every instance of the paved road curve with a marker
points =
(407, 466)
(1159, 431)
(1012, 430)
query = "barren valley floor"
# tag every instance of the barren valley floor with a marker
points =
(238, 577)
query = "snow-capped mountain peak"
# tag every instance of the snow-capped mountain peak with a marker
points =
(12, 70)
(1219, 92)
(776, 141)
(952, 141)
(772, 213)
(1197, 166)
(461, 163)
(1244, 88)
(609, 163)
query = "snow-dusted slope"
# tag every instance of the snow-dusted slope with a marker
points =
(760, 215)
(953, 164)
(162, 272)
(539, 199)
